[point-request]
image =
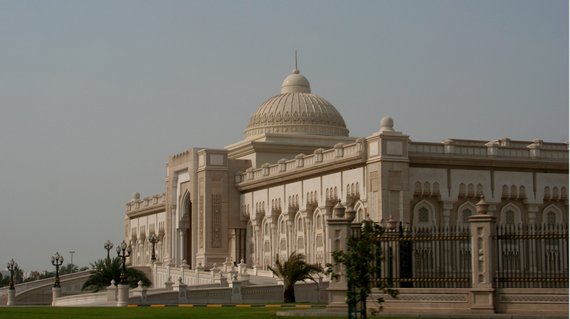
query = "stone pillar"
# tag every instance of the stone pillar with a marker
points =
(182, 245)
(482, 259)
(55, 293)
(11, 297)
(140, 292)
(112, 292)
(181, 287)
(236, 291)
(339, 231)
(123, 295)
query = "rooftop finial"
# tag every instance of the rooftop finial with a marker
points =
(296, 69)
(296, 60)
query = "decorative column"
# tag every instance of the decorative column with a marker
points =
(182, 245)
(482, 259)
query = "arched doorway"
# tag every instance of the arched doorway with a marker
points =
(185, 230)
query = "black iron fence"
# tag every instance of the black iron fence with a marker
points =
(532, 256)
(426, 257)
(527, 256)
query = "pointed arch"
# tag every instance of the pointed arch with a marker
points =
(552, 215)
(282, 238)
(185, 210)
(463, 212)
(266, 251)
(510, 215)
(299, 233)
(319, 237)
(184, 239)
(360, 211)
(424, 214)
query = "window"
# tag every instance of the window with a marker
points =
(551, 218)
(510, 217)
(423, 215)
(466, 213)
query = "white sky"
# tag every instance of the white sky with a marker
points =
(94, 95)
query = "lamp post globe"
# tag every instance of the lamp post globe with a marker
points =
(12, 265)
(153, 240)
(57, 261)
(108, 246)
(123, 251)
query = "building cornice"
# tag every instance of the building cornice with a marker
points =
(485, 163)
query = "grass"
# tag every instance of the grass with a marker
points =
(142, 312)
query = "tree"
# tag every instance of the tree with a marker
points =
(105, 270)
(361, 263)
(292, 270)
(68, 269)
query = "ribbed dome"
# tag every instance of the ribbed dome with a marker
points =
(296, 111)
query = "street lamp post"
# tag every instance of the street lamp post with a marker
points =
(124, 251)
(57, 261)
(12, 265)
(108, 246)
(71, 252)
(153, 239)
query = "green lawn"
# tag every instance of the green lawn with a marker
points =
(142, 312)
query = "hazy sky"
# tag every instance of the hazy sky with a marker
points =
(95, 95)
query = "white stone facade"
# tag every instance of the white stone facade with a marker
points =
(271, 193)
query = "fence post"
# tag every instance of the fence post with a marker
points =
(339, 231)
(482, 259)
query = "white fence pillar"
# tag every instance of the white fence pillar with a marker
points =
(482, 259)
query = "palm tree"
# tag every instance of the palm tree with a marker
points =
(105, 270)
(292, 270)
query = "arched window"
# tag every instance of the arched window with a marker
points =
(464, 212)
(510, 215)
(300, 233)
(424, 214)
(551, 218)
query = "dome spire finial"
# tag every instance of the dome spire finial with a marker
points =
(296, 69)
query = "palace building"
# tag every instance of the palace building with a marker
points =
(272, 192)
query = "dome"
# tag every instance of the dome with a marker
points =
(296, 111)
